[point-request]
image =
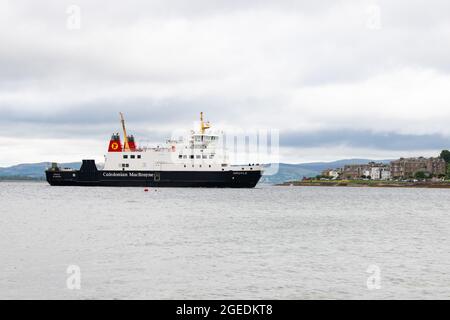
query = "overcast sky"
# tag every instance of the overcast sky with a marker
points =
(338, 79)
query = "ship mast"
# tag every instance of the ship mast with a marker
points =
(203, 125)
(126, 146)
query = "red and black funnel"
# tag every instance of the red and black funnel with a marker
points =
(114, 144)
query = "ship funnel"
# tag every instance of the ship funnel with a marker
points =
(114, 144)
(131, 143)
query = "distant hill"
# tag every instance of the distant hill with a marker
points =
(286, 172)
(289, 172)
(32, 170)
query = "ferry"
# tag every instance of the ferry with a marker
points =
(192, 162)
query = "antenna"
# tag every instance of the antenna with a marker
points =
(203, 125)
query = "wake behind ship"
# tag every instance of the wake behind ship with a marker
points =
(194, 163)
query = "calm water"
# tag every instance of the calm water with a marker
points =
(268, 242)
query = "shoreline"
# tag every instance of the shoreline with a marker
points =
(367, 184)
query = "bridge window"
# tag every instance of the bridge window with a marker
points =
(180, 156)
(125, 156)
(139, 156)
(132, 156)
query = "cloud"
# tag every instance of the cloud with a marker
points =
(365, 139)
(308, 68)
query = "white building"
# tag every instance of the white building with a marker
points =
(386, 174)
(380, 173)
(333, 174)
(375, 173)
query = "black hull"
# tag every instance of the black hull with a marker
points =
(89, 176)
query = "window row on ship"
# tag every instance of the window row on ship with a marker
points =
(223, 165)
(127, 165)
(181, 156)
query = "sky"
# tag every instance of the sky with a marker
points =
(336, 79)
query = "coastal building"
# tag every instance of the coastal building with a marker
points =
(380, 173)
(386, 173)
(334, 174)
(358, 171)
(331, 173)
(409, 167)
(375, 173)
(403, 168)
(354, 171)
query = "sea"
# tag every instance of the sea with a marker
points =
(270, 242)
